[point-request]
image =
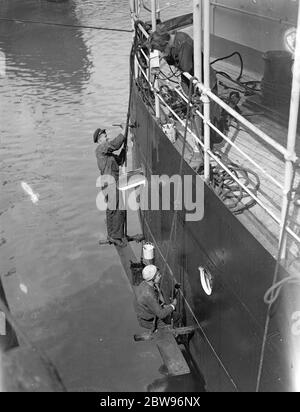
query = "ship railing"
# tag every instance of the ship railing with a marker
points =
(288, 153)
(226, 138)
(218, 160)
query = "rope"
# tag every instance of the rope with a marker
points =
(190, 308)
(273, 293)
(129, 104)
(232, 193)
(174, 221)
(173, 228)
(72, 26)
(53, 372)
(245, 85)
(228, 57)
(128, 116)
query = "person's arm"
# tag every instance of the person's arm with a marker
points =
(115, 144)
(156, 309)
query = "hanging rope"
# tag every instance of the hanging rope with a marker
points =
(174, 221)
(131, 68)
(203, 333)
(126, 133)
(273, 293)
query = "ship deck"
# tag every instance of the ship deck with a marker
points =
(275, 124)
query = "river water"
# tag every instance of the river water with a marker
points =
(57, 85)
(60, 85)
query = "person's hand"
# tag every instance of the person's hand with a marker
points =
(174, 302)
(122, 156)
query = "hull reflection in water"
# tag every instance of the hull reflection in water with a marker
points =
(57, 55)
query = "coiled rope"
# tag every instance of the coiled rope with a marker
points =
(230, 192)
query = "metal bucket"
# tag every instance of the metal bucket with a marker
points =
(148, 252)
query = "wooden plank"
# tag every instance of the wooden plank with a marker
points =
(135, 238)
(185, 330)
(171, 353)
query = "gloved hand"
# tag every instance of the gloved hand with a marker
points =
(174, 302)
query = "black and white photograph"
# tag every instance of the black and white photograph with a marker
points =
(149, 199)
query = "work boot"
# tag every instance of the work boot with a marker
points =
(115, 241)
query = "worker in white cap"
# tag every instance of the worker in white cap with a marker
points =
(150, 305)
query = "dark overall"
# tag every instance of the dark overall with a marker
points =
(109, 164)
(150, 313)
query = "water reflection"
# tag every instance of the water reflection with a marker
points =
(61, 84)
(41, 53)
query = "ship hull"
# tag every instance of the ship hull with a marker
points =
(227, 344)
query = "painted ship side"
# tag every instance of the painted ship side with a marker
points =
(233, 317)
(227, 346)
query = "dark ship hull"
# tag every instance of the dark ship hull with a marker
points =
(227, 346)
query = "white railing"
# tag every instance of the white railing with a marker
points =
(219, 162)
(288, 153)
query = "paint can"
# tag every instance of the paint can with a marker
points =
(148, 253)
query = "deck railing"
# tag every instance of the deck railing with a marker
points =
(288, 153)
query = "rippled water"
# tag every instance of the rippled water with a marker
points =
(59, 85)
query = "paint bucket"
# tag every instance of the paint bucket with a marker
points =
(148, 252)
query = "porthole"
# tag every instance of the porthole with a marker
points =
(206, 281)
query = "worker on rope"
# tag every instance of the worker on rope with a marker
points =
(109, 163)
(151, 308)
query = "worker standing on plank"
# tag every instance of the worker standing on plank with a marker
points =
(109, 164)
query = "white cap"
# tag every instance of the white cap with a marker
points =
(149, 272)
